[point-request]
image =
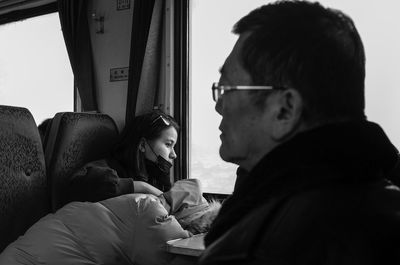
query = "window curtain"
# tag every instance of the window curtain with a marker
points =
(75, 28)
(145, 57)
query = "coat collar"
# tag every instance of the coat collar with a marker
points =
(348, 152)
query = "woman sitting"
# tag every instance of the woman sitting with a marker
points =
(139, 163)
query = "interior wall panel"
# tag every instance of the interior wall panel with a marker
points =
(111, 51)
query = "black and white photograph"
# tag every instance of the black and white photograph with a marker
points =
(199, 132)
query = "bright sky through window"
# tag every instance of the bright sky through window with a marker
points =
(35, 71)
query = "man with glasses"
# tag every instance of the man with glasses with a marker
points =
(311, 185)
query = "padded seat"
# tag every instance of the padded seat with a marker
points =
(73, 140)
(23, 189)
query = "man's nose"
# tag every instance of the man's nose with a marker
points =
(218, 106)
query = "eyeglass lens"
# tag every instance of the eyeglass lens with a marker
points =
(216, 91)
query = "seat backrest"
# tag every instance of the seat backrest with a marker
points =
(23, 189)
(75, 139)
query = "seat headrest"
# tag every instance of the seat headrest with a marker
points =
(75, 139)
(23, 186)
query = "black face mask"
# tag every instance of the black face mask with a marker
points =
(163, 165)
(159, 171)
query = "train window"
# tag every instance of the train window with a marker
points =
(211, 41)
(35, 71)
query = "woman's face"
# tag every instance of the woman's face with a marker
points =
(163, 145)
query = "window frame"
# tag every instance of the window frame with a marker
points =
(182, 95)
(22, 14)
(181, 86)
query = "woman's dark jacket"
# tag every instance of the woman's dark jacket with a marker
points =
(99, 180)
(319, 198)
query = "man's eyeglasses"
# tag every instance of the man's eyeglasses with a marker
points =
(219, 90)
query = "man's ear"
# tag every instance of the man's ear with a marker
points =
(142, 145)
(288, 114)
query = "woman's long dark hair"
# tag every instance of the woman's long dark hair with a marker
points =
(126, 151)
